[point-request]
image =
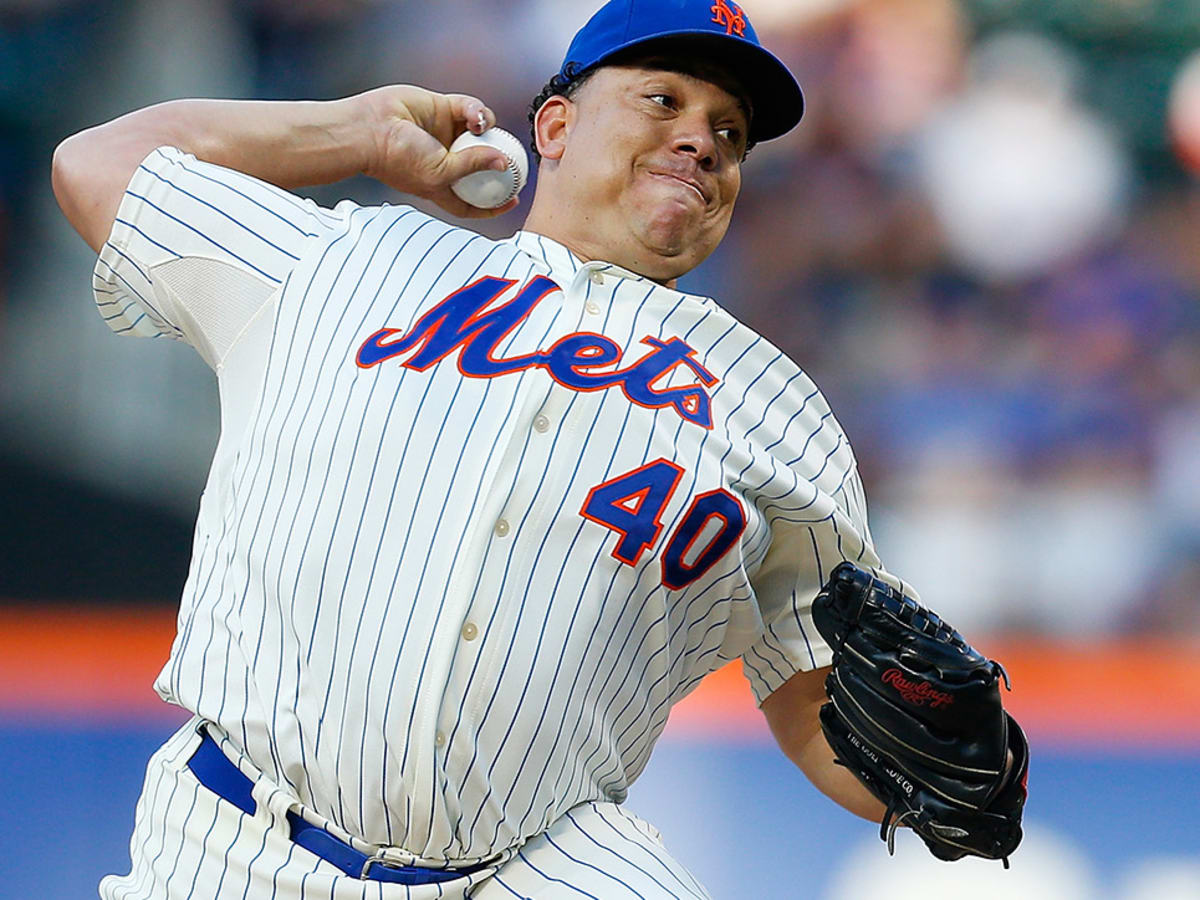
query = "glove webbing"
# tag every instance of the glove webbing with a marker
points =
(913, 614)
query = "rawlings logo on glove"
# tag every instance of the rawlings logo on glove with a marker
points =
(916, 694)
(914, 712)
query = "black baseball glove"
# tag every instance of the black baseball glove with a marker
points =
(914, 712)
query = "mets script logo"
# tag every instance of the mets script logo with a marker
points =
(914, 693)
(580, 361)
(730, 17)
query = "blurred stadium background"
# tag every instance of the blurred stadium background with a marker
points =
(983, 243)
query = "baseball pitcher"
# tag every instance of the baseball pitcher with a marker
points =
(482, 511)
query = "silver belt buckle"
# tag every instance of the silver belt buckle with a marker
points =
(381, 857)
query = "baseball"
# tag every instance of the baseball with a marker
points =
(492, 188)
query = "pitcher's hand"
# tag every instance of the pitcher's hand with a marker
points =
(415, 128)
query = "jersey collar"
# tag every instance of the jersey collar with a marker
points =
(560, 259)
(555, 255)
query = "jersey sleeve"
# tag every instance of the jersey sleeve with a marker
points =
(815, 510)
(196, 250)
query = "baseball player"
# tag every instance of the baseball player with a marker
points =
(481, 511)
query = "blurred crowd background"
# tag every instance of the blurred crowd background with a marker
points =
(983, 242)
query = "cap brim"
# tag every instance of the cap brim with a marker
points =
(774, 93)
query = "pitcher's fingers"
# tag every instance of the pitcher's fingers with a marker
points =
(480, 158)
(471, 114)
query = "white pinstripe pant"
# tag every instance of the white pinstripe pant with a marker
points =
(188, 844)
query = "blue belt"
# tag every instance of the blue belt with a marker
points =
(214, 770)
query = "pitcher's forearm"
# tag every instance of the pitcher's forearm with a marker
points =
(290, 144)
(793, 713)
(398, 134)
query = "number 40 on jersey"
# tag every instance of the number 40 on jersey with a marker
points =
(632, 505)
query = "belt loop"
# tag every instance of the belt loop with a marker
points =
(273, 803)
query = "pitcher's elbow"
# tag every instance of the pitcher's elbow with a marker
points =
(69, 181)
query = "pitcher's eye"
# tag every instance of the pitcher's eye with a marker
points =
(732, 136)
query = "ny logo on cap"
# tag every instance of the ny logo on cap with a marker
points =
(729, 15)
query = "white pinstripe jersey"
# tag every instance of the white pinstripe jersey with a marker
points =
(480, 512)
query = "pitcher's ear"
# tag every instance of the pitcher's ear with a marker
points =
(552, 126)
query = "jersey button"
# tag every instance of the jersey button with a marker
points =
(542, 424)
(592, 307)
(439, 739)
(501, 527)
(470, 632)
(596, 277)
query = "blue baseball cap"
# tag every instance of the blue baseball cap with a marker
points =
(720, 30)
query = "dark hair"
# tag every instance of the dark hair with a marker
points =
(666, 55)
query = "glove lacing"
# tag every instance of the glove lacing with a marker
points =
(887, 828)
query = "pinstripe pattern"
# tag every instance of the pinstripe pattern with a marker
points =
(187, 845)
(395, 609)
